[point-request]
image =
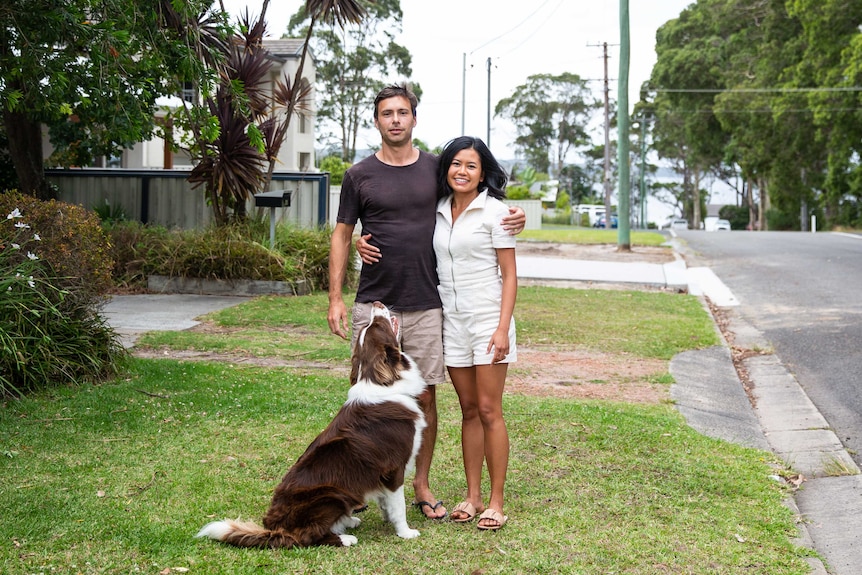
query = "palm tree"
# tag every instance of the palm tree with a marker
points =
(252, 123)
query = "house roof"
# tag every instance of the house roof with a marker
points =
(284, 47)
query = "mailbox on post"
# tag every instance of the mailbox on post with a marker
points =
(272, 200)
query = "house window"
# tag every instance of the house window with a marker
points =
(303, 124)
(189, 94)
(304, 161)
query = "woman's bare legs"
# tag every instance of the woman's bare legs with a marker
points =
(484, 436)
(472, 434)
(490, 382)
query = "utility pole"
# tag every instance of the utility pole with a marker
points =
(624, 243)
(463, 89)
(643, 215)
(607, 170)
(488, 138)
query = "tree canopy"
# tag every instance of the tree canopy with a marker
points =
(354, 62)
(91, 71)
(768, 90)
(551, 114)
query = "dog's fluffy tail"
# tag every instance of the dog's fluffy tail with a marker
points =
(246, 534)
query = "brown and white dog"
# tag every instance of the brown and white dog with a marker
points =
(361, 456)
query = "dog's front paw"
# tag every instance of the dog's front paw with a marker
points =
(408, 533)
(348, 540)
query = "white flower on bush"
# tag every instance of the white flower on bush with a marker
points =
(30, 281)
(20, 228)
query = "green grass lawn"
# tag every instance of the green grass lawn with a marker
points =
(118, 478)
(579, 235)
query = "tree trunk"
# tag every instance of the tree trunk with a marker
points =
(25, 149)
(696, 215)
(687, 195)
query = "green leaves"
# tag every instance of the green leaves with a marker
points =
(551, 114)
(352, 63)
(756, 88)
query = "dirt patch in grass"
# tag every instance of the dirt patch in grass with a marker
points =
(547, 372)
(544, 373)
(587, 375)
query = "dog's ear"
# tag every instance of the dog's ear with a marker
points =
(393, 354)
(354, 364)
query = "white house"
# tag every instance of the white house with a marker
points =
(297, 151)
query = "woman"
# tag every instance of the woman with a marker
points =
(478, 285)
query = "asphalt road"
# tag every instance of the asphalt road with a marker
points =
(803, 291)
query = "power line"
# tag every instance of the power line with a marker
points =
(753, 90)
(524, 41)
(518, 25)
(766, 111)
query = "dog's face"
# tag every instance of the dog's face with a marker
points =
(377, 355)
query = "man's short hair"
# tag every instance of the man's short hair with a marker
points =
(394, 90)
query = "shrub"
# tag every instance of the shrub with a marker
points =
(736, 215)
(780, 220)
(50, 329)
(238, 251)
(336, 168)
(518, 193)
(307, 250)
(73, 243)
(133, 250)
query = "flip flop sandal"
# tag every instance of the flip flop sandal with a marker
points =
(492, 515)
(467, 511)
(421, 504)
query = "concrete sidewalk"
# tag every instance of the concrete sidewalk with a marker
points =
(132, 315)
(708, 392)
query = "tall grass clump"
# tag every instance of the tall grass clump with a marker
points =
(50, 330)
(231, 252)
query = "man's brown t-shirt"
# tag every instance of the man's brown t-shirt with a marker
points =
(397, 206)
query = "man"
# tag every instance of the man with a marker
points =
(394, 193)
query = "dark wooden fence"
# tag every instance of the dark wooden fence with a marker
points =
(165, 197)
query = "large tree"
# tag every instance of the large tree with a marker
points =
(770, 88)
(687, 75)
(91, 71)
(551, 114)
(831, 57)
(354, 63)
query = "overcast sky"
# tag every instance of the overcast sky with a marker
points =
(521, 38)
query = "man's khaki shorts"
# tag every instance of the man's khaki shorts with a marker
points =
(421, 337)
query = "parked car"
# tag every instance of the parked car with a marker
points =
(679, 224)
(722, 225)
(600, 222)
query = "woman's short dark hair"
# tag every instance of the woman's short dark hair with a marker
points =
(396, 90)
(495, 176)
